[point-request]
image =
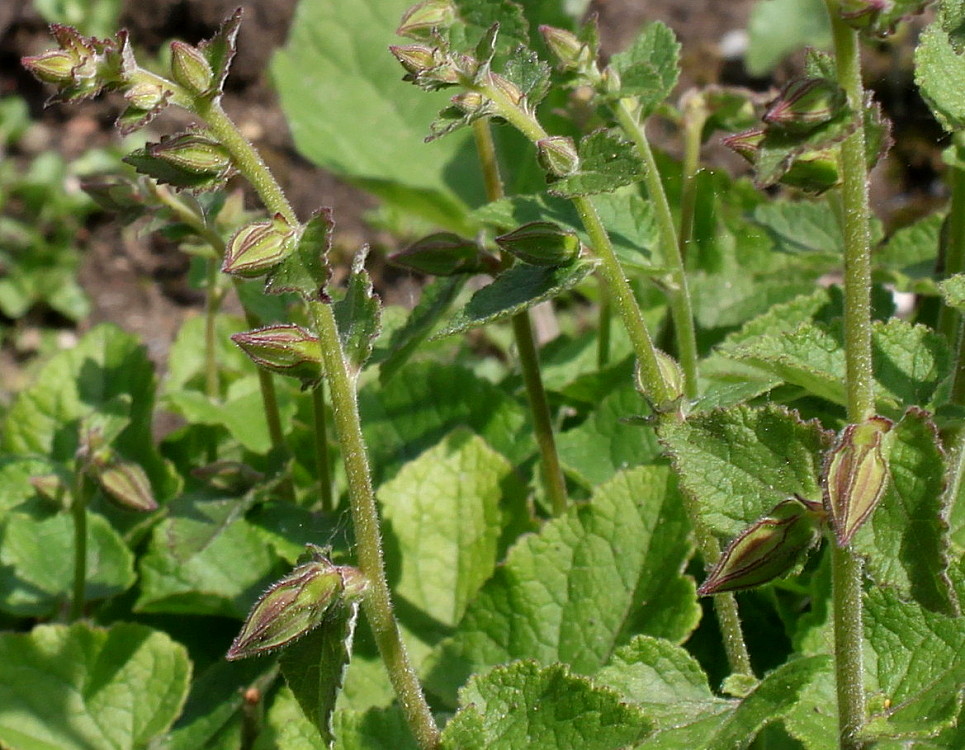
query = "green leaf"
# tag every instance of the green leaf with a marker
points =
(778, 27)
(286, 726)
(525, 705)
(907, 259)
(427, 401)
(106, 364)
(905, 542)
(714, 729)
(443, 514)
(663, 679)
(204, 558)
(37, 563)
(374, 729)
(603, 444)
(16, 491)
(305, 271)
(358, 314)
(436, 299)
(517, 289)
(953, 291)
(940, 76)
(583, 585)
(649, 67)
(805, 227)
(84, 687)
(915, 666)
(336, 63)
(738, 463)
(314, 666)
(607, 162)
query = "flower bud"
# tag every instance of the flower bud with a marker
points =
(442, 254)
(286, 349)
(747, 143)
(541, 243)
(855, 476)
(190, 68)
(127, 485)
(257, 248)
(566, 47)
(558, 155)
(193, 153)
(55, 67)
(765, 550)
(147, 96)
(860, 14)
(427, 67)
(421, 20)
(53, 488)
(804, 104)
(814, 171)
(469, 102)
(290, 608)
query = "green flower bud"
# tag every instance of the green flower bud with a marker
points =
(442, 254)
(286, 349)
(190, 68)
(421, 20)
(427, 67)
(860, 14)
(127, 485)
(804, 104)
(290, 608)
(147, 96)
(569, 51)
(558, 155)
(765, 550)
(746, 143)
(541, 243)
(814, 171)
(193, 153)
(257, 248)
(56, 66)
(855, 476)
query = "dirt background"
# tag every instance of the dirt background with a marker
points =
(139, 281)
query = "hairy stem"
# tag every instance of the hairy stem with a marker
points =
(377, 602)
(846, 566)
(554, 482)
(681, 309)
(949, 318)
(321, 448)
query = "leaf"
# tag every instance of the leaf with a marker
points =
(914, 659)
(777, 694)
(607, 162)
(374, 729)
(737, 464)
(106, 364)
(314, 666)
(516, 289)
(220, 50)
(801, 226)
(83, 687)
(204, 558)
(443, 514)
(428, 400)
(436, 298)
(603, 444)
(524, 705)
(333, 64)
(286, 726)
(305, 270)
(358, 315)
(37, 563)
(779, 27)
(17, 493)
(905, 542)
(649, 67)
(940, 77)
(953, 291)
(582, 585)
(907, 259)
(663, 679)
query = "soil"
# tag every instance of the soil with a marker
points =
(139, 280)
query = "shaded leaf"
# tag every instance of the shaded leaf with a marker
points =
(358, 314)
(607, 162)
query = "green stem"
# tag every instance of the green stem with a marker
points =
(604, 328)
(377, 602)
(695, 116)
(846, 566)
(681, 309)
(78, 509)
(212, 389)
(321, 448)
(554, 482)
(954, 244)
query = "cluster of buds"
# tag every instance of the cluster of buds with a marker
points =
(297, 604)
(286, 349)
(123, 482)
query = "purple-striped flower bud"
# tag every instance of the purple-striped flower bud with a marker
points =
(421, 20)
(541, 243)
(257, 248)
(442, 254)
(804, 104)
(855, 476)
(860, 14)
(190, 68)
(286, 349)
(569, 51)
(127, 485)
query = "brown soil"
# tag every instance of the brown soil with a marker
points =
(139, 281)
